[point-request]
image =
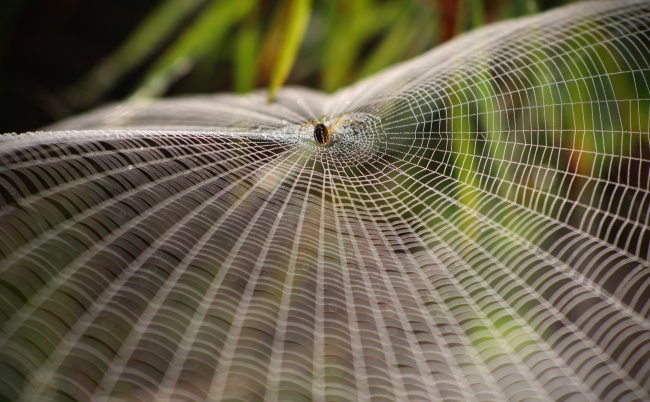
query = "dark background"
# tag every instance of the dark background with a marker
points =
(47, 45)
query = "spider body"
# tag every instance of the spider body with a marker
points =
(323, 132)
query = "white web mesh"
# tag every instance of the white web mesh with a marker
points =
(478, 229)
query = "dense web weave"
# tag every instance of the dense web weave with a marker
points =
(477, 229)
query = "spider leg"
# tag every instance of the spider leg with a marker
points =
(339, 120)
(310, 122)
(313, 123)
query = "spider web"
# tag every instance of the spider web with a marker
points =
(477, 229)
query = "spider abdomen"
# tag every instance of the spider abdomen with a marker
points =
(322, 134)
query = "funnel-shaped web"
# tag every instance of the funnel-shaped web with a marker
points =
(478, 228)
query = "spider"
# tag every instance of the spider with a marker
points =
(323, 132)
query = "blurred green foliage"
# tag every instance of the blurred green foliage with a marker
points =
(206, 46)
(345, 40)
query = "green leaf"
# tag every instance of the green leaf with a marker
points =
(290, 23)
(143, 42)
(403, 35)
(201, 39)
(352, 26)
(246, 51)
